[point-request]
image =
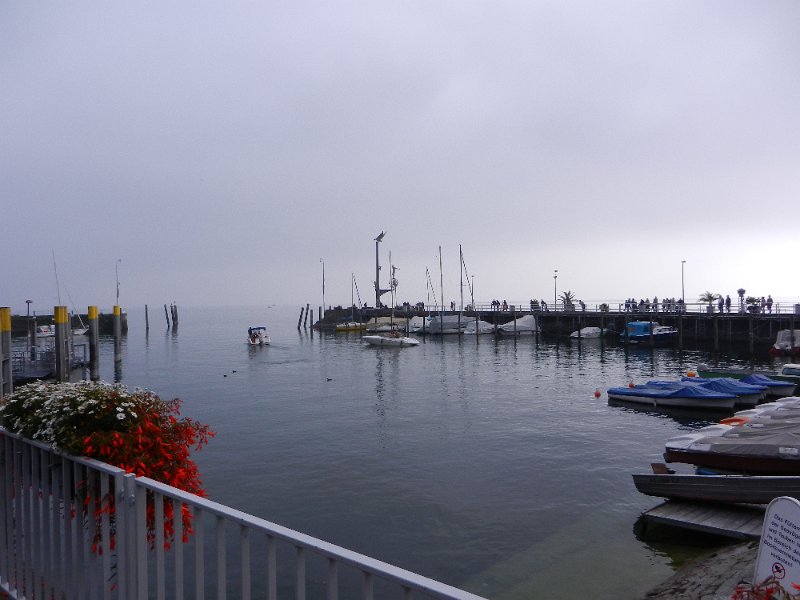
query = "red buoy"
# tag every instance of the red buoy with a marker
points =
(597, 393)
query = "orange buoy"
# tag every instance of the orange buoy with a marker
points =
(630, 385)
(597, 393)
(735, 421)
(691, 374)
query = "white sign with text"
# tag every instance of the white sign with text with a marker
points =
(779, 551)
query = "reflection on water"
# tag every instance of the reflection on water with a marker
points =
(486, 463)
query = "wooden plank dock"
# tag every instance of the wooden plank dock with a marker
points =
(743, 521)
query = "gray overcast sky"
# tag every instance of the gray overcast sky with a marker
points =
(221, 149)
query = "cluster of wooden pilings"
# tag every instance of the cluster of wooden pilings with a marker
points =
(172, 311)
(306, 315)
(62, 347)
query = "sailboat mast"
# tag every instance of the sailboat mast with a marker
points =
(58, 287)
(441, 282)
(461, 258)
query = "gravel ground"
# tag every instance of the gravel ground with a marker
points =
(710, 577)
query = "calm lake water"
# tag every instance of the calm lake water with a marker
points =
(487, 464)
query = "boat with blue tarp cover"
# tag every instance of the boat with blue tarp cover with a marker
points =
(746, 394)
(775, 387)
(673, 394)
(648, 333)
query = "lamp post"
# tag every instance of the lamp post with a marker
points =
(116, 270)
(323, 287)
(555, 288)
(683, 294)
(472, 293)
(28, 320)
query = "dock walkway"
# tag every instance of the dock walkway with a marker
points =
(742, 521)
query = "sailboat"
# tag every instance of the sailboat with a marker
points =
(352, 324)
(393, 337)
(82, 330)
(443, 324)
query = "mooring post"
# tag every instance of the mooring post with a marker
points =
(146, 319)
(305, 321)
(716, 332)
(174, 314)
(300, 319)
(751, 336)
(32, 337)
(6, 373)
(166, 315)
(117, 334)
(94, 344)
(514, 318)
(61, 320)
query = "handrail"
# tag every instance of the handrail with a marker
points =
(40, 507)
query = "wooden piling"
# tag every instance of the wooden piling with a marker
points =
(146, 319)
(117, 334)
(166, 315)
(300, 319)
(6, 372)
(94, 344)
(305, 322)
(174, 310)
(61, 321)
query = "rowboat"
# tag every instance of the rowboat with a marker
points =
(751, 489)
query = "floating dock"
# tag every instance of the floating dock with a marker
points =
(743, 522)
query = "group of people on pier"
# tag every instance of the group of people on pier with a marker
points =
(667, 305)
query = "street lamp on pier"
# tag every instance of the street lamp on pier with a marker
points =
(323, 288)
(683, 294)
(555, 288)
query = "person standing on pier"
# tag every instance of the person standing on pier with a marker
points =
(728, 304)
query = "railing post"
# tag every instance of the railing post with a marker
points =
(6, 381)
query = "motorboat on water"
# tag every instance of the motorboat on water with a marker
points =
(673, 394)
(589, 333)
(394, 338)
(764, 440)
(787, 343)
(648, 333)
(257, 336)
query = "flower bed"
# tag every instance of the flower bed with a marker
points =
(134, 430)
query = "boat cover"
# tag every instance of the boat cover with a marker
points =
(524, 324)
(669, 389)
(727, 384)
(758, 379)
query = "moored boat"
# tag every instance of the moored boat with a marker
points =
(750, 489)
(390, 339)
(525, 325)
(673, 394)
(648, 333)
(589, 333)
(787, 343)
(786, 372)
(766, 441)
(350, 326)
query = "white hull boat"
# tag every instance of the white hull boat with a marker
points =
(257, 336)
(390, 340)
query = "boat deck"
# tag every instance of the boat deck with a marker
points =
(740, 521)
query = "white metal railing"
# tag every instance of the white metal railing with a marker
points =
(58, 539)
